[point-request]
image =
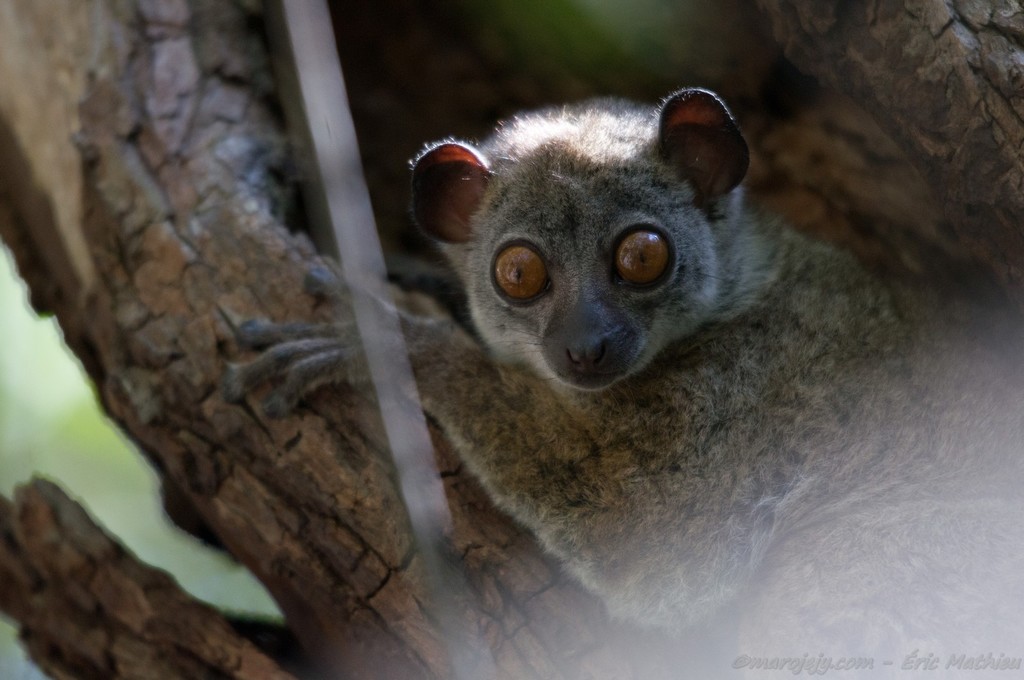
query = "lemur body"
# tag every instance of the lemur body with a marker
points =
(693, 406)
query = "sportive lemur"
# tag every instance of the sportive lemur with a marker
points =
(696, 408)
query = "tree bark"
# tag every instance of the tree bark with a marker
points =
(89, 610)
(944, 79)
(163, 225)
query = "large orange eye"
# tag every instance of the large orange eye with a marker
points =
(641, 256)
(520, 272)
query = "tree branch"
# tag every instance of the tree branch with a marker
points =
(88, 609)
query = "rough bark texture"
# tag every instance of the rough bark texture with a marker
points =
(945, 79)
(162, 225)
(89, 610)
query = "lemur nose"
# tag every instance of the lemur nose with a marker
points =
(589, 356)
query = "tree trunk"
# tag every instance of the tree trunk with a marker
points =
(145, 194)
(946, 80)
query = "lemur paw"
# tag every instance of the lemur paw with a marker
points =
(298, 358)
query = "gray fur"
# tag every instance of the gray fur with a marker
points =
(835, 458)
(571, 180)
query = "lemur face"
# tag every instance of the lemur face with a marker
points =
(585, 235)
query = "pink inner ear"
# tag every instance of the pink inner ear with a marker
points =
(700, 138)
(448, 185)
(695, 107)
(449, 153)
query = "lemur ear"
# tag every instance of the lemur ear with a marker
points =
(448, 183)
(700, 138)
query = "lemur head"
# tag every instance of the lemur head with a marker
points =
(586, 236)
